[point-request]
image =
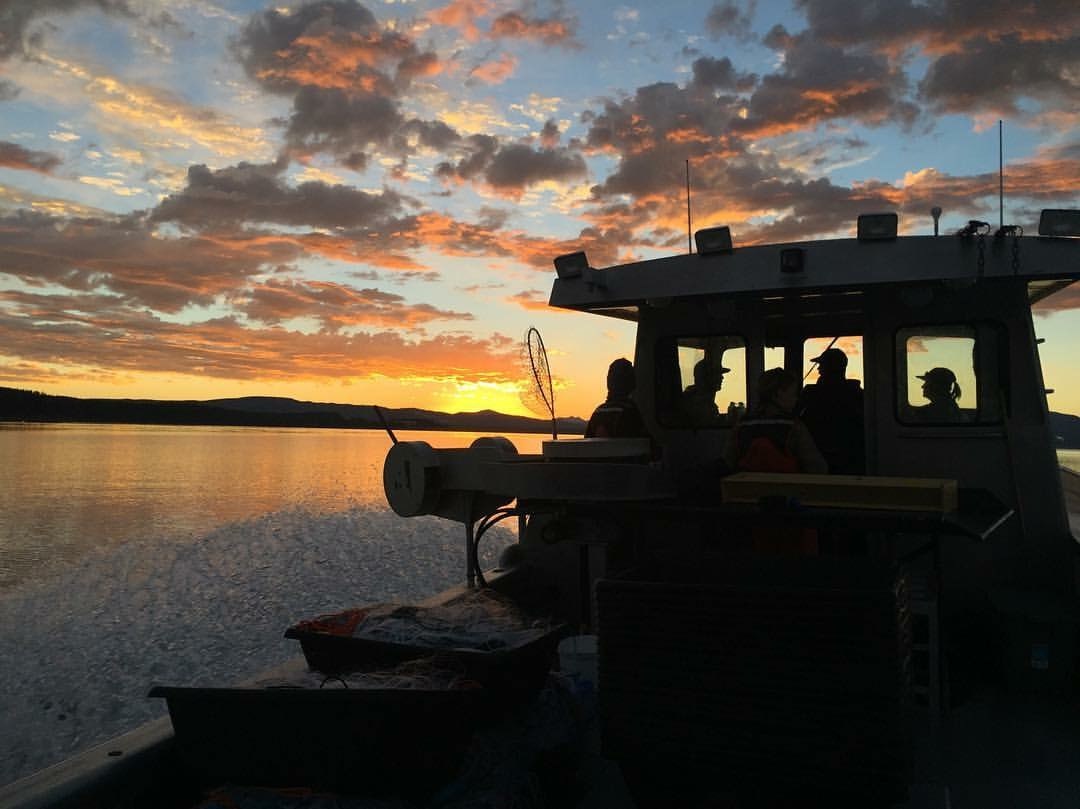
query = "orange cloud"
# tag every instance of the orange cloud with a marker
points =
(496, 71)
(514, 26)
(531, 299)
(79, 335)
(341, 60)
(689, 134)
(357, 252)
(1022, 21)
(451, 237)
(461, 14)
(337, 306)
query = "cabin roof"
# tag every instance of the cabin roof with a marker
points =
(1047, 264)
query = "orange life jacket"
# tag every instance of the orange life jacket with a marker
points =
(764, 445)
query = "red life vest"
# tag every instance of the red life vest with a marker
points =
(764, 445)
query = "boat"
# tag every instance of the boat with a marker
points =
(924, 655)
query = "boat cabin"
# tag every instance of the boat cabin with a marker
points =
(899, 306)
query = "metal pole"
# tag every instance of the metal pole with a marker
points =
(1001, 176)
(689, 244)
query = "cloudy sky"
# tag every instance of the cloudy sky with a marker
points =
(359, 201)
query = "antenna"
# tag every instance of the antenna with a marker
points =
(1001, 176)
(689, 245)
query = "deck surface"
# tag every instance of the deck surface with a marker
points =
(999, 750)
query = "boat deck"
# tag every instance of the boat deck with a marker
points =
(994, 750)
(1000, 750)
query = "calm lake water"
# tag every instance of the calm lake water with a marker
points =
(1070, 459)
(68, 488)
(132, 556)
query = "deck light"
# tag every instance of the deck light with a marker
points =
(876, 226)
(713, 240)
(572, 265)
(1059, 222)
(792, 259)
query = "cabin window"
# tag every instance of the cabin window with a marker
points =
(701, 380)
(938, 375)
(774, 357)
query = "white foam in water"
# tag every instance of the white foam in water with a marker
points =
(80, 650)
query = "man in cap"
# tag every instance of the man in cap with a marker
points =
(698, 403)
(832, 409)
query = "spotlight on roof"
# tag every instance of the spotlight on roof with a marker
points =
(713, 240)
(1059, 222)
(572, 265)
(877, 226)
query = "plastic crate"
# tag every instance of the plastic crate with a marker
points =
(793, 674)
(394, 742)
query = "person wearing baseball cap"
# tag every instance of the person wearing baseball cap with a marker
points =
(698, 403)
(940, 387)
(832, 409)
(830, 361)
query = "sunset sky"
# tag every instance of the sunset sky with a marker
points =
(360, 201)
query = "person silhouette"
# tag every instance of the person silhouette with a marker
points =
(832, 409)
(698, 402)
(940, 388)
(771, 438)
(618, 416)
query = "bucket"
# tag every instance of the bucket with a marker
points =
(577, 660)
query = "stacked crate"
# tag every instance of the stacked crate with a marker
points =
(791, 675)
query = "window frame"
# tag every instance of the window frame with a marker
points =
(990, 342)
(666, 411)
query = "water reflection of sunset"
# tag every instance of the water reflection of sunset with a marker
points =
(66, 490)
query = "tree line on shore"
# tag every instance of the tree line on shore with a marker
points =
(262, 411)
(32, 406)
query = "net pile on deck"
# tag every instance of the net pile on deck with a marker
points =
(479, 620)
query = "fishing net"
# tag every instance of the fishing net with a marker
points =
(538, 394)
(479, 620)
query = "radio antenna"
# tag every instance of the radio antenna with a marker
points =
(689, 243)
(1001, 176)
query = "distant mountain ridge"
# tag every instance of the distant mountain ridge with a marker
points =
(276, 411)
(261, 411)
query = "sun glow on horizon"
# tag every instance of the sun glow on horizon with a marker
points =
(359, 203)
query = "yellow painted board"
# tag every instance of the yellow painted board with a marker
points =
(843, 491)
